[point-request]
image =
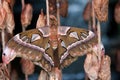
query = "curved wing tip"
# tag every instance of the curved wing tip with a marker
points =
(91, 32)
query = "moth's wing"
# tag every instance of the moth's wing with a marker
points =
(32, 45)
(75, 42)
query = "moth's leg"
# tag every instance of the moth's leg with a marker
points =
(43, 75)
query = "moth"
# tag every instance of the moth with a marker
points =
(50, 47)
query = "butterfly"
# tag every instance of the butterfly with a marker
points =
(50, 47)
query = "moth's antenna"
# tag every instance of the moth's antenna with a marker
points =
(47, 12)
(58, 12)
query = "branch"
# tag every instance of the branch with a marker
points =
(23, 4)
(58, 12)
(47, 12)
(99, 40)
(3, 38)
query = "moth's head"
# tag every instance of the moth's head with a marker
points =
(8, 55)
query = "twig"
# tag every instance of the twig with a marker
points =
(26, 77)
(93, 18)
(58, 12)
(23, 3)
(47, 12)
(90, 21)
(98, 31)
(23, 29)
(99, 40)
(0, 2)
(89, 25)
(3, 38)
(86, 77)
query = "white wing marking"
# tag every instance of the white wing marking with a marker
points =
(63, 44)
(74, 34)
(63, 30)
(45, 31)
(24, 38)
(35, 37)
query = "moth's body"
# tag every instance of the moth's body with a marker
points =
(54, 40)
(54, 37)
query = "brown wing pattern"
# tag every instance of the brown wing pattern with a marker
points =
(34, 45)
(31, 45)
(77, 42)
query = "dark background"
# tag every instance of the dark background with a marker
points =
(110, 35)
